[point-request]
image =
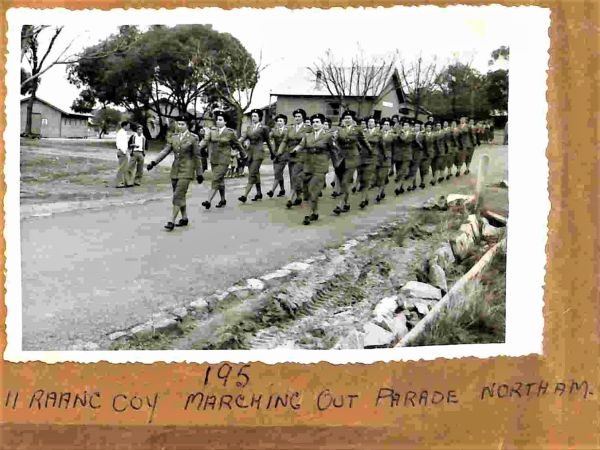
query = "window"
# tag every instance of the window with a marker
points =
(332, 109)
(377, 114)
(44, 121)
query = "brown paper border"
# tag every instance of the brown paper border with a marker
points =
(571, 312)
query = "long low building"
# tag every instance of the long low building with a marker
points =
(48, 120)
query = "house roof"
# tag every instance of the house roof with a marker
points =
(62, 111)
(303, 83)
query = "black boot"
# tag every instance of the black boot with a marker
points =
(281, 193)
(221, 203)
(243, 199)
(337, 211)
(289, 204)
(182, 223)
(206, 204)
(306, 220)
(169, 226)
(270, 194)
(314, 217)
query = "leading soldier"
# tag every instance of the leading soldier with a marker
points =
(187, 164)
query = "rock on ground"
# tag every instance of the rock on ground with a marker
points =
(461, 245)
(445, 256)
(437, 277)
(353, 340)
(475, 226)
(490, 231)
(459, 199)
(385, 308)
(417, 289)
(397, 326)
(375, 336)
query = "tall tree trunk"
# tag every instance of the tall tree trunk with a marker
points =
(30, 103)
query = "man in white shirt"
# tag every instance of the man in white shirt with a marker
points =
(122, 179)
(137, 144)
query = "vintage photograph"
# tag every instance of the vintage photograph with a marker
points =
(265, 179)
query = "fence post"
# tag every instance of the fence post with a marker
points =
(484, 165)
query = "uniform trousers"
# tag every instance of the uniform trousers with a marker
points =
(254, 171)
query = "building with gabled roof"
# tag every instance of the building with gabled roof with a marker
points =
(48, 120)
(304, 90)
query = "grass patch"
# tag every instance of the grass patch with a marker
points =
(482, 320)
(156, 341)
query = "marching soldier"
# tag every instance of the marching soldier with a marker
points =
(415, 163)
(368, 160)
(349, 138)
(319, 147)
(291, 138)
(257, 135)
(451, 147)
(280, 161)
(187, 164)
(402, 156)
(384, 157)
(467, 144)
(428, 154)
(220, 140)
(438, 163)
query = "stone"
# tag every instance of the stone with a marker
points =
(385, 308)
(142, 328)
(200, 305)
(429, 204)
(438, 204)
(117, 335)
(445, 256)
(350, 244)
(475, 226)
(437, 276)
(254, 284)
(397, 326)
(235, 289)
(320, 258)
(461, 245)
(489, 231)
(422, 308)
(180, 313)
(416, 289)
(297, 266)
(459, 199)
(406, 303)
(376, 337)
(468, 230)
(164, 323)
(362, 238)
(276, 278)
(352, 341)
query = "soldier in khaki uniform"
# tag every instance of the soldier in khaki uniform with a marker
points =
(451, 147)
(389, 138)
(187, 164)
(403, 155)
(418, 155)
(349, 138)
(319, 147)
(257, 135)
(438, 165)
(291, 138)
(280, 161)
(219, 140)
(369, 160)
(428, 154)
(466, 144)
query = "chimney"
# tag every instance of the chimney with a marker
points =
(319, 80)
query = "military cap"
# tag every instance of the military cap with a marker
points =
(300, 111)
(257, 111)
(220, 113)
(384, 120)
(350, 113)
(281, 116)
(319, 116)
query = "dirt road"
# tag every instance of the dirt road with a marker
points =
(88, 273)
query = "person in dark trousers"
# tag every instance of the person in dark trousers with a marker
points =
(138, 145)
(280, 161)
(187, 164)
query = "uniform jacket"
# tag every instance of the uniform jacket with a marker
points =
(429, 145)
(291, 139)
(256, 138)
(451, 139)
(277, 136)
(319, 150)
(389, 141)
(440, 140)
(349, 139)
(186, 150)
(467, 141)
(404, 148)
(374, 140)
(220, 145)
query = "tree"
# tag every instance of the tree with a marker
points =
(497, 89)
(363, 77)
(163, 70)
(85, 102)
(105, 119)
(418, 77)
(501, 53)
(463, 92)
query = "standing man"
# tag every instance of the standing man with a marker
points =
(138, 145)
(122, 179)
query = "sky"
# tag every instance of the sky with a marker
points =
(290, 39)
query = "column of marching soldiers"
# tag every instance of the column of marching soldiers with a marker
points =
(366, 154)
